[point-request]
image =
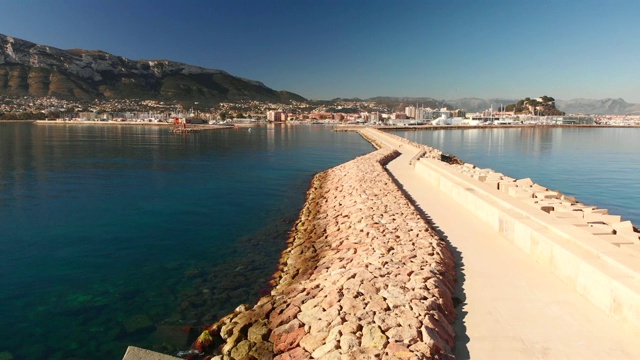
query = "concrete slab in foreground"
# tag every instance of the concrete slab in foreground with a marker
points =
(136, 353)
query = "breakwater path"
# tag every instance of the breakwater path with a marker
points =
(363, 277)
(513, 307)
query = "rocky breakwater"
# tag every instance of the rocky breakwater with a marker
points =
(363, 277)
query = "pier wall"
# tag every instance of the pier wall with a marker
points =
(363, 276)
(592, 251)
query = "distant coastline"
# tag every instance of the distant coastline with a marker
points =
(338, 127)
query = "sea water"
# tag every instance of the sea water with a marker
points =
(131, 235)
(599, 166)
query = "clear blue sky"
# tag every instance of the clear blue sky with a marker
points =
(445, 49)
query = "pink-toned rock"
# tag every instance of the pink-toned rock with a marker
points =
(442, 328)
(401, 334)
(433, 341)
(351, 305)
(311, 342)
(285, 317)
(332, 298)
(386, 320)
(286, 336)
(377, 304)
(317, 327)
(294, 354)
(398, 351)
(289, 340)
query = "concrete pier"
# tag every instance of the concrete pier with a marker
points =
(516, 304)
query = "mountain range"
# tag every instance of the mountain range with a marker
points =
(29, 69)
(575, 106)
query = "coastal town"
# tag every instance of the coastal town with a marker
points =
(337, 111)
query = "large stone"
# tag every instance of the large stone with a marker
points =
(323, 350)
(294, 354)
(372, 337)
(311, 342)
(278, 333)
(398, 351)
(286, 316)
(348, 342)
(289, 340)
(241, 350)
(258, 332)
(262, 350)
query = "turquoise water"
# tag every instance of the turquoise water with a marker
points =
(599, 166)
(115, 235)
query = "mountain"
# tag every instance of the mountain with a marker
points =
(603, 106)
(29, 69)
(575, 106)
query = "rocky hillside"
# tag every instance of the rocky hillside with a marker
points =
(39, 70)
(602, 106)
(544, 106)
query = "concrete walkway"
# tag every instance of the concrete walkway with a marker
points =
(512, 307)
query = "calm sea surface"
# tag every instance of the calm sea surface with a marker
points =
(118, 235)
(599, 166)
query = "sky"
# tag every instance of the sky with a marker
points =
(443, 49)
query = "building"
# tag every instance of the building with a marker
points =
(571, 120)
(273, 115)
(410, 111)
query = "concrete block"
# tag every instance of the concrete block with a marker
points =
(569, 199)
(608, 219)
(537, 187)
(492, 183)
(600, 229)
(506, 185)
(136, 353)
(519, 193)
(525, 182)
(623, 226)
(545, 194)
(564, 214)
(481, 178)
